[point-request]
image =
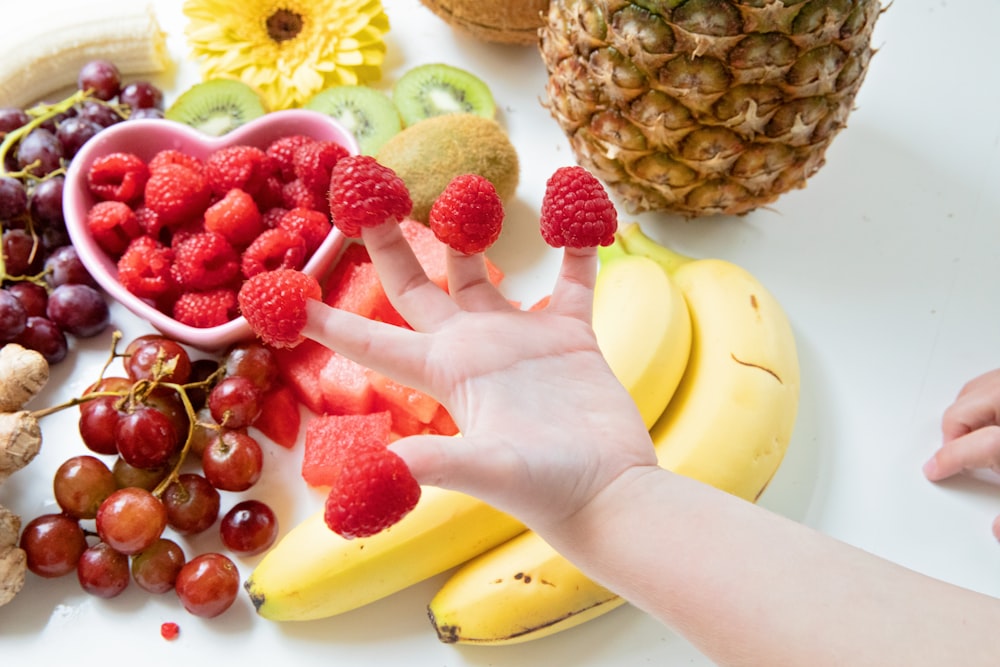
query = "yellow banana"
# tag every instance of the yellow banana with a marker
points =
(728, 424)
(644, 329)
(37, 63)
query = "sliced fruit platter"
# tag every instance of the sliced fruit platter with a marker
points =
(168, 189)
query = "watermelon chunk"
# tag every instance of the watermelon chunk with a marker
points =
(299, 367)
(402, 401)
(326, 434)
(280, 419)
(353, 285)
(346, 387)
(432, 253)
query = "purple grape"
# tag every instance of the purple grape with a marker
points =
(13, 316)
(13, 198)
(139, 114)
(45, 202)
(42, 147)
(65, 267)
(33, 297)
(78, 309)
(19, 253)
(44, 336)
(12, 118)
(101, 77)
(74, 132)
(141, 95)
(101, 114)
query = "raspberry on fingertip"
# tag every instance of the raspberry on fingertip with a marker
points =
(274, 304)
(365, 193)
(576, 210)
(468, 214)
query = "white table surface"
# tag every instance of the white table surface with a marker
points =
(888, 264)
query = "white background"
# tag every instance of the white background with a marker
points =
(887, 264)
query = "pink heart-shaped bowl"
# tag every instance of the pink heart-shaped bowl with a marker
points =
(145, 138)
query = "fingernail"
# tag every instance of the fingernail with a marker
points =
(930, 469)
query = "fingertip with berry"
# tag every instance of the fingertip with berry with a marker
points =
(576, 210)
(274, 305)
(468, 214)
(365, 193)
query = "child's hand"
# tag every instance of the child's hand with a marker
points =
(971, 432)
(545, 424)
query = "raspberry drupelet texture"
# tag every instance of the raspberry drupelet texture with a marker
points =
(274, 304)
(118, 177)
(178, 195)
(274, 249)
(468, 214)
(241, 167)
(576, 210)
(204, 261)
(205, 309)
(114, 225)
(364, 193)
(372, 490)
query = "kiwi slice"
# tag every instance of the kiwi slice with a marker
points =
(428, 154)
(216, 106)
(437, 89)
(366, 113)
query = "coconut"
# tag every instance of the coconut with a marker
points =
(513, 22)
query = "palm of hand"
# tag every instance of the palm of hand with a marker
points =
(545, 424)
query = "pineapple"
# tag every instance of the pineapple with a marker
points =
(704, 107)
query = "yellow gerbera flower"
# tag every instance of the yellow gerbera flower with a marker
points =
(288, 49)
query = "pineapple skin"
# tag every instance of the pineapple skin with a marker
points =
(704, 107)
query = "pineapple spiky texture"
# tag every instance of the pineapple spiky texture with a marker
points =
(703, 107)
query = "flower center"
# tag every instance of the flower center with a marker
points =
(283, 25)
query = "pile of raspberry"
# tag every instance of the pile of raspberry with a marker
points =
(186, 232)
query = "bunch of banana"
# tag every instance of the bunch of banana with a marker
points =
(36, 63)
(643, 329)
(728, 425)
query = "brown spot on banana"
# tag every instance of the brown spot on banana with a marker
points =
(753, 365)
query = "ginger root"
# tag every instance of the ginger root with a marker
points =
(20, 441)
(23, 373)
(13, 560)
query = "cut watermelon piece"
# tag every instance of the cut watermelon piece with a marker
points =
(353, 285)
(432, 253)
(280, 419)
(346, 387)
(299, 367)
(442, 423)
(401, 400)
(326, 434)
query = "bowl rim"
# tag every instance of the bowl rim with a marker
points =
(77, 200)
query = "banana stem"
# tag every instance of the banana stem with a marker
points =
(635, 242)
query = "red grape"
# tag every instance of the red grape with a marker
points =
(78, 309)
(192, 503)
(254, 361)
(152, 353)
(146, 437)
(102, 571)
(249, 528)
(101, 78)
(128, 475)
(81, 484)
(234, 402)
(131, 520)
(44, 336)
(155, 569)
(233, 460)
(53, 544)
(207, 585)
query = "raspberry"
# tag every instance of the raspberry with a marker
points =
(272, 216)
(177, 194)
(296, 194)
(236, 217)
(576, 210)
(148, 221)
(312, 226)
(205, 309)
(243, 167)
(274, 249)
(314, 161)
(372, 490)
(274, 304)
(173, 156)
(144, 268)
(118, 177)
(204, 261)
(113, 225)
(468, 214)
(281, 153)
(364, 193)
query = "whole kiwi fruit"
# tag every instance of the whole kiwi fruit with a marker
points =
(499, 21)
(431, 152)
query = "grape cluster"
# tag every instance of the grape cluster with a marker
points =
(177, 429)
(46, 292)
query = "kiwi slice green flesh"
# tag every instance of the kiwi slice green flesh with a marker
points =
(366, 113)
(216, 106)
(436, 89)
